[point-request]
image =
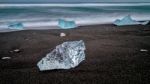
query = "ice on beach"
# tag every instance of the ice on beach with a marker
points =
(15, 51)
(66, 24)
(5, 58)
(16, 25)
(144, 22)
(65, 56)
(62, 34)
(143, 50)
(127, 20)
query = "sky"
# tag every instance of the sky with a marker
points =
(49, 1)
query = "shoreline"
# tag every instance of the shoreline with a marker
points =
(58, 28)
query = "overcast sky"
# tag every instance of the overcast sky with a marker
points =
(13, 1)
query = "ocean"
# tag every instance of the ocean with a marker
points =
(47, 15)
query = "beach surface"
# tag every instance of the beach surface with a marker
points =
(114, 55)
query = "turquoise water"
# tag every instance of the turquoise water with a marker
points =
(86, 15)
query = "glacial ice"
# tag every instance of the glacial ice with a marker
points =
(127, 20)
(16, 25)
(64, 24)
(65, 56)
(62, 34)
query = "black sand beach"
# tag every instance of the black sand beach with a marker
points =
(113, 56)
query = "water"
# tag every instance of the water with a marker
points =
(47, 15)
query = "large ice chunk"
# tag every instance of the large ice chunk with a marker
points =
(16, 25)
(127, 20)
(64, 24)
(65, 56)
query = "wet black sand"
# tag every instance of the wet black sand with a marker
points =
(113, 56)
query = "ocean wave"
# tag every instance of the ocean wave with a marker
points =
(74, 5)
(41, 17)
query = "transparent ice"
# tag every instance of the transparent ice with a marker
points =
(66, 24)
(65, 56)
(127, 20)
(16, 25)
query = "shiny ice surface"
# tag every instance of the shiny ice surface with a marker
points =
(65, 56)
(16, 25)
(127, 20)
(66, 24)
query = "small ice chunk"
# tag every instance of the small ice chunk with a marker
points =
(5, 58)
(15, 51)
(64, 24)
(144, 22)
(16, 25)
(62, 34)
(65, 56)
(143, 50)
(127, 20)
